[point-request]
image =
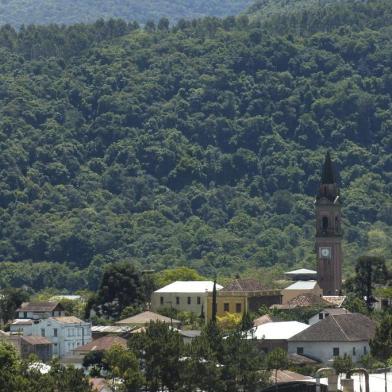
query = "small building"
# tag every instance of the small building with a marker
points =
(301, 287)
(37, 345)
(325, 313)
(27, 345)
(334, 336)
(40, 310)
(301, 274)
(66, 333)
(22, 327)
(270, 336)
(189, 296)
(143, 319)
(242, 296)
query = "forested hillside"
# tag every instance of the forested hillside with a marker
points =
(197, 145)
(25, 12)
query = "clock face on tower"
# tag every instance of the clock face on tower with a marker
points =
(325, 252)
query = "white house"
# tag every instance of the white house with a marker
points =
(325, 313)
(66, 333)
(334, 336)
(40, 310)
(190, 296)
(272, 335)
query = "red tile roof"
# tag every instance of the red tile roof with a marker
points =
(102, 344)
(243, 285)
(353, 327)
(41, 306)
(36, 340)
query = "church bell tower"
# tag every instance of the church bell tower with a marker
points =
(329, 232)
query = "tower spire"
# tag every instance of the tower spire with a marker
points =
(328, 173)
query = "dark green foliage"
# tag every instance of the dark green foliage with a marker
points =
(160, 350)
(211, 362)
(18, 12)
(94, 359)
(369, 271)
(10, 300)
(381, 345)
(246, 322)
(17, 376)
(122, 287)
(342, 364)
(277, 360)
(300, 314)
(197, 146)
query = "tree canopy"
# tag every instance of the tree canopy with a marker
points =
(25, 12)
(198, 145)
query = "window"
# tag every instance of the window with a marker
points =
(55, 332)
(161, 299)
(300, 350)
(321, 316)
(325, 223)
(42, 332)
(354, 352)
(198, 300)
(335, 351)
(226, 307)
(364, 350)
(189, 300)
(177, 300)
(238, 308)
(25, 314)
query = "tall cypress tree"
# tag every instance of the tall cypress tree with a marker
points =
(214, 305)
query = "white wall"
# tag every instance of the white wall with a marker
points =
(323, 351)
(69, 335)
(170, 300)
(315, 319)
(22, 329)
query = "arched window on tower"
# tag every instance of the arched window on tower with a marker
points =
(325, 223)
(337, 223)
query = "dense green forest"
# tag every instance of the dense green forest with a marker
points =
(25, 12)
(197, 144)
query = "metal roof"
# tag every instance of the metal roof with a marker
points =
(281, 330)
(192, 286)
(22, 322)
(110, 329)
(302, 271)
(302, 285)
